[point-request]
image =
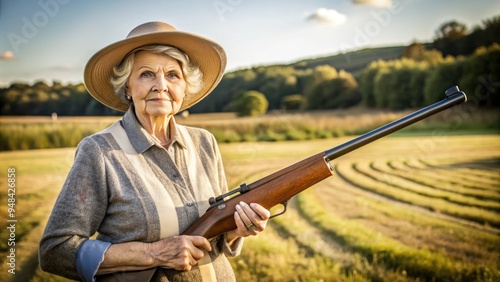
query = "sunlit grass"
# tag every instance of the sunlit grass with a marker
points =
(465, 180)
(39, 177)
(417, 262)
(434, 204)
(336, 231)
(409, 224)
(434, 191)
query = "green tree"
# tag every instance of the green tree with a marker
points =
(367, 82)
(277, 82)
(382, 85)
(251, 103)
(10, 97)
(396, 84)
(273, 86)
(414, 51)
(489, 34)
(431, 57)
(441, 78)
(449, 38)
(451, 30)
(417, 85)
(319, 75)
(339, 92)
(323, 73)
(293, 102)
(400, 96)
(481, 77)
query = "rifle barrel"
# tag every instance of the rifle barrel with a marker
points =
(450, 101)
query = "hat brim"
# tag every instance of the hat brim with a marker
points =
(206, 54)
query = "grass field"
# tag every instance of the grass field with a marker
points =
(415, 208)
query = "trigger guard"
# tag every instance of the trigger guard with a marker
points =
(284, 204)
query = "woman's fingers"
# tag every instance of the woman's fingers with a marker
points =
(263, 213)
(245, 213)
(180, 252)
(200, 242)
(251, 217)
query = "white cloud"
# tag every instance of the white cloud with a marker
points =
(376, 3)
(328, 16)
(7, 55)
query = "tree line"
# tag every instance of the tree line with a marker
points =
(41, 99)
(417, 77)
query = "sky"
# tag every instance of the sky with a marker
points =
(51, 40)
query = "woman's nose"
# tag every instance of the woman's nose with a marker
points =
(160, 84)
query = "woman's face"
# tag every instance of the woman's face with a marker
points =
(156, 85)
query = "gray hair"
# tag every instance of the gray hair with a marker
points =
(192, 73)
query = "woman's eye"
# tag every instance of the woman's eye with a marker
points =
(172, 75)
(147, 74)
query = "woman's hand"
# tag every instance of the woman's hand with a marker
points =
(250, 219)
(179, 252)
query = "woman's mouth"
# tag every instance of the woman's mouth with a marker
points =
(159, 100)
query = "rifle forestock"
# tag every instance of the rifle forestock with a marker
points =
(269, 191)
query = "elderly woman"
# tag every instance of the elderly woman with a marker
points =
(143, 181)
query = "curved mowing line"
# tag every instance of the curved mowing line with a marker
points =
(420, 263)
(481, 175)
(493, 176)
(487, 217)
(438, 176)
(455, 173)
(284, 233)
(369, 194)
(431, 173)
(488, 180)
(368, 189)
(484, 173)
(424, 193)
(420, 181)
(293, 232)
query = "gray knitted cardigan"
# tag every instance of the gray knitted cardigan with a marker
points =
(125, 187)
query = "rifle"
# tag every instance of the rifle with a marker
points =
(279, 187)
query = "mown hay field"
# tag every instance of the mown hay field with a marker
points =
(423, 208)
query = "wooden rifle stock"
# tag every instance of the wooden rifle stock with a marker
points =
(279, 187)
(269, 191)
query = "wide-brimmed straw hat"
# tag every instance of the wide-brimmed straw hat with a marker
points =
(206, 54)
